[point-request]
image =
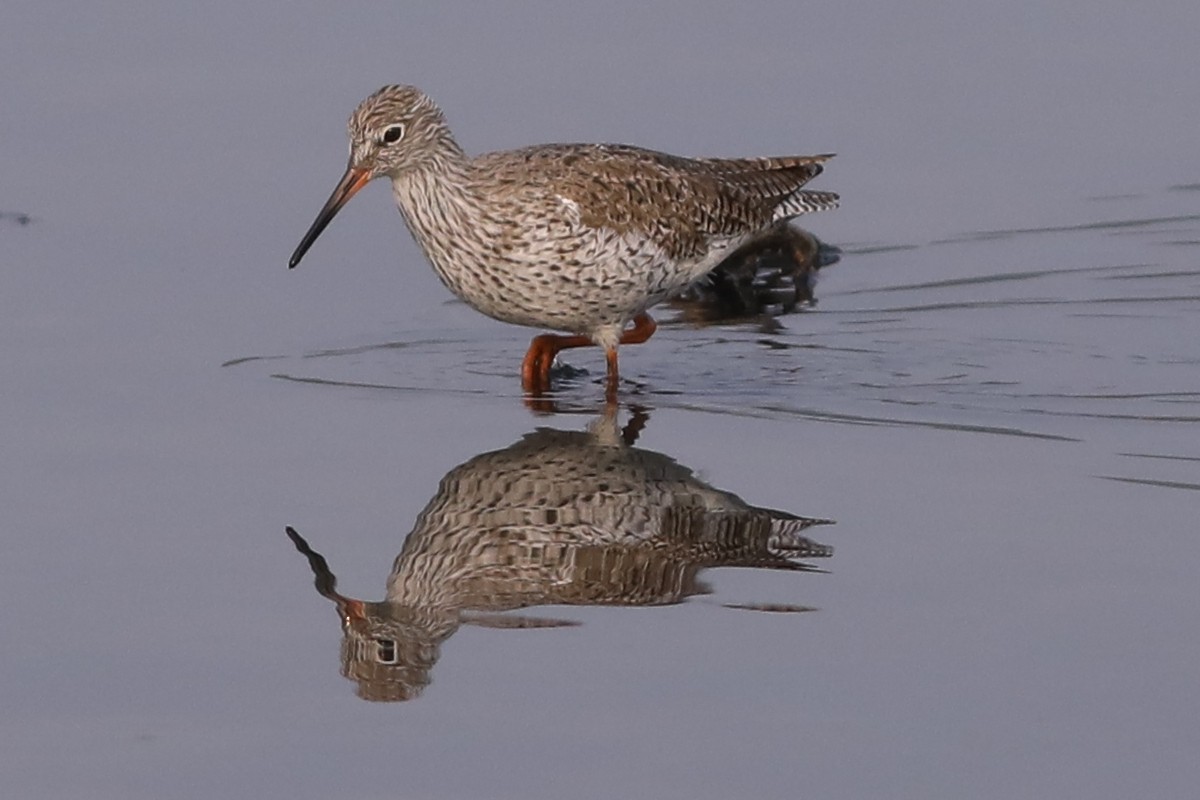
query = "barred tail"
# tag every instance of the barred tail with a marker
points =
(805, 201)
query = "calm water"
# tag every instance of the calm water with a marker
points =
(996, 400)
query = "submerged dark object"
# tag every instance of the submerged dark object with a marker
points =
(771, 275)
(19, 217)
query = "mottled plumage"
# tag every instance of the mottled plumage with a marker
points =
(560, 518)
(582, 238)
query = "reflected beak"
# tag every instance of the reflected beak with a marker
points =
(347, 187)
(354, 612)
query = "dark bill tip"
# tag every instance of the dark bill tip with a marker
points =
(351, 182)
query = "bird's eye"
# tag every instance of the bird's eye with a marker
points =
(393, 134)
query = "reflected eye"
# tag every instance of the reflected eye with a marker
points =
(386, 651)
(393, 134)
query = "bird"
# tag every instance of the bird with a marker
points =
(577, 238)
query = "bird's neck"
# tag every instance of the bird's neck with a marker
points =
(434, 191)
(440, 205)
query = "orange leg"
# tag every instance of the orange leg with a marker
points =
(643, 328)
(535, 369)
(612, 379)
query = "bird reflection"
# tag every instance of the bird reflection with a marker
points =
(562, 518)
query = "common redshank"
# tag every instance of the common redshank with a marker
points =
(580, 238)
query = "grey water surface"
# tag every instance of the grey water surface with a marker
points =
(996, 399)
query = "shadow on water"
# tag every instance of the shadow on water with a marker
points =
(579, 518)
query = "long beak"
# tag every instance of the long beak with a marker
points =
(351, 182)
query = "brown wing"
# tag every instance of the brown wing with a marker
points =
(772, 181)
(681, 203)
